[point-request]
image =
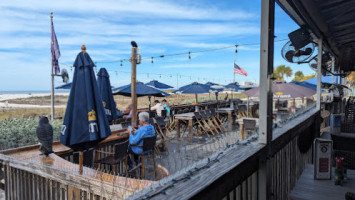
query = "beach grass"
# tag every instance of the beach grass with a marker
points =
(20, 113)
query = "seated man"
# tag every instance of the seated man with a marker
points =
(158, 107)
(136, 137)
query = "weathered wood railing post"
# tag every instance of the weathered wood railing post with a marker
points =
(266, 95)
(319, 71)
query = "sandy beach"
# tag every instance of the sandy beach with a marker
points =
(30, 100)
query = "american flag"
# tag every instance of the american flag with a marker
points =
(239, 70)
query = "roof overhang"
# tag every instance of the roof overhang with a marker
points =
(332, 20)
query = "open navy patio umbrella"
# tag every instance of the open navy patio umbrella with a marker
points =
(284, 90)
(103, 82)
(65, 86)
(85, 122)
(141, 90)
(210, 83)
(233, 86)
(159, 85)
(195, 88)
(216, 89)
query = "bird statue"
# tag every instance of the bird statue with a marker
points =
(134, 44)
(44, 133)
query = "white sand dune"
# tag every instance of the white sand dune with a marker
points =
(5, 97)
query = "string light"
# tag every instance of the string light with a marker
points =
(152, 60)
(189, 55)
(236, 49)
(121, 63)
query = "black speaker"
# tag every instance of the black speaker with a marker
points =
(300, 37)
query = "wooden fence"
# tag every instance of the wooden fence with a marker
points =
(234, 176)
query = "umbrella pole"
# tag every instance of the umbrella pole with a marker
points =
(81, 156)
(150, 103)
(278, 105)
(196, 98)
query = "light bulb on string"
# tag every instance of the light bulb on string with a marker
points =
(236, 50)
(152, 60)
(159, 75)
(121, 64)
(71, 68)
(189, 55)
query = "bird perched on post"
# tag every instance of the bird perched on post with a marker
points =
(44, 133)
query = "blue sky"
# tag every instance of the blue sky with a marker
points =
(159, 27)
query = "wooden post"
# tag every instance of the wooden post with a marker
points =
(266, 95)
(319, 71)
(81, 157)
(133, 86)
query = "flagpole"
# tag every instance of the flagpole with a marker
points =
(233, 80)
(52, 74)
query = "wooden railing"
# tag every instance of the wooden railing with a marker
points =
(234, 175)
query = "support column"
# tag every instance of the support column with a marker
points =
(333, 63)
(319, 71)
(266, 95)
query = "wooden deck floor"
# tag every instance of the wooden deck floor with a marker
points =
(309, 189)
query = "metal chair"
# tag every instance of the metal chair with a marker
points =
(148, 150)
(118, 155)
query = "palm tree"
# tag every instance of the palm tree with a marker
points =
(281, 71)
(298, 76)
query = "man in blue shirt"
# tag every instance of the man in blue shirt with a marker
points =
(136, 137)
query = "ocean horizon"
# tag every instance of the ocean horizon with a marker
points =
(32, 91)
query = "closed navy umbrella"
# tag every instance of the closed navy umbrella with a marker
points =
(85, 122)
(103, 82)
(159, 85)
(65, 86)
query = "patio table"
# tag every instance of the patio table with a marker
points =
(229, 111)
(189, 117)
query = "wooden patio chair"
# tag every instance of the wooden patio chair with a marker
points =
(199, 125)
(206, 123)
(148, 150)
(248, 126)
(208, 119)
(112, 159)
(214, 120)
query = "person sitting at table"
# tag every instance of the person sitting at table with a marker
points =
(127, 113)
(166, 106)
(158, 107)
(136, 137)
(118, 112)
